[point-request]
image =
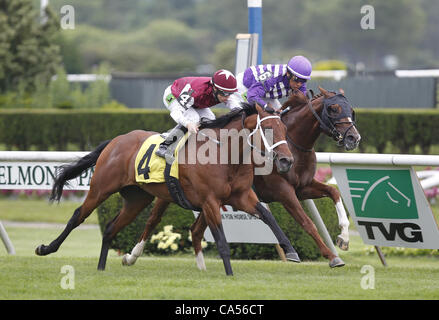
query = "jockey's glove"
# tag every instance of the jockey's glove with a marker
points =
(269, 109)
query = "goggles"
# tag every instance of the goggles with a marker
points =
(223, 93)
(295, 78)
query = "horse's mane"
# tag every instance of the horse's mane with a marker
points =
(316, 96)
(223, 120)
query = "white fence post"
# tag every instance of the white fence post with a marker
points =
(7, 242)
(320, 225)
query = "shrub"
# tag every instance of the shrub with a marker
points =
(40, 129)
(182, 219)
(125, 240)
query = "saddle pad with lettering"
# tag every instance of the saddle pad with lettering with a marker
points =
(150, 167)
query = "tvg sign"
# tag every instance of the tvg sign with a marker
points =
(388, 206)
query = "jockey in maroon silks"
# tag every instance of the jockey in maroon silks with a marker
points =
(189, 99)
(265, 84)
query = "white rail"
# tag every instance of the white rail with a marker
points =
(377, 159)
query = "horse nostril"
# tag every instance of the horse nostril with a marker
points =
(350, 139)
(351, 142)
(285, 163)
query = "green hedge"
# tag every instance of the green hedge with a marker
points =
(403, 129)
(182, 219)
(59, 129)
(407, 131)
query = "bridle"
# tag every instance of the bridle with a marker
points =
(328, 123)
(272, 155)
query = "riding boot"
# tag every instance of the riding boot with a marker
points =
(167, 147)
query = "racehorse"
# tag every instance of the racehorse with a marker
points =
(206, 186)
(305, 119)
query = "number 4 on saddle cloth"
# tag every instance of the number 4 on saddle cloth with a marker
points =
(151, 168)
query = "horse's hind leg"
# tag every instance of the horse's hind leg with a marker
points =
(154, 218)
(92, 201)
(134, 201)
(43, 250)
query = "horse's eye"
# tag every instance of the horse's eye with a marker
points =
(334, 109)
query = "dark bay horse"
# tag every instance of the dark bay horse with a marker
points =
(328, 113)
(305, 120)
(206, 186)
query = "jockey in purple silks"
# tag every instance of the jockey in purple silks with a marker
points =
(265, 84)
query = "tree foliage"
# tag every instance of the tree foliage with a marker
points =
(175, 35)
(28, 52)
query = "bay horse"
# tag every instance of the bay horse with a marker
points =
(206, 186)
(305, 120)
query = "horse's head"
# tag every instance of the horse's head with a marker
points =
(338, 120)
(277, 149)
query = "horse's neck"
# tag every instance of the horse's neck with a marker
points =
(240, 133)
(303, 127)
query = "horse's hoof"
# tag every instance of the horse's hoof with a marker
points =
(292, 256)
(128, 259)
(336, 262)
(124, 260)
(343, 245)
(40, 250)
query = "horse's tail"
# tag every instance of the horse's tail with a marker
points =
(73, 170)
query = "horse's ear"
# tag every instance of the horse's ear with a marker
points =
(341, 91)
(250, 122)
(325, 92)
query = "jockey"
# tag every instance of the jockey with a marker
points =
(265, 84)
(189, 99)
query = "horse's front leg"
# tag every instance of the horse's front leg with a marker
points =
(197, 232)
(250, 203)
(212, 214)
(316, 190)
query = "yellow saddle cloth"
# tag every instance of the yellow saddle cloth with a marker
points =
(150, 167)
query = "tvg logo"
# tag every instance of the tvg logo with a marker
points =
(390, 234)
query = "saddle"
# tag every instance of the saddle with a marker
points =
(151, 168)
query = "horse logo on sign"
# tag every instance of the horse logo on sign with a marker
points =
(382, 193)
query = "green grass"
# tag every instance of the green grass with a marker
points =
(27, 276)
(29, 210)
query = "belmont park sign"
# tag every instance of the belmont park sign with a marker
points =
(37, 175)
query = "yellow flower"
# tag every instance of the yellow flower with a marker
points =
(167, 229)
(161, 245)
(174, 247)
